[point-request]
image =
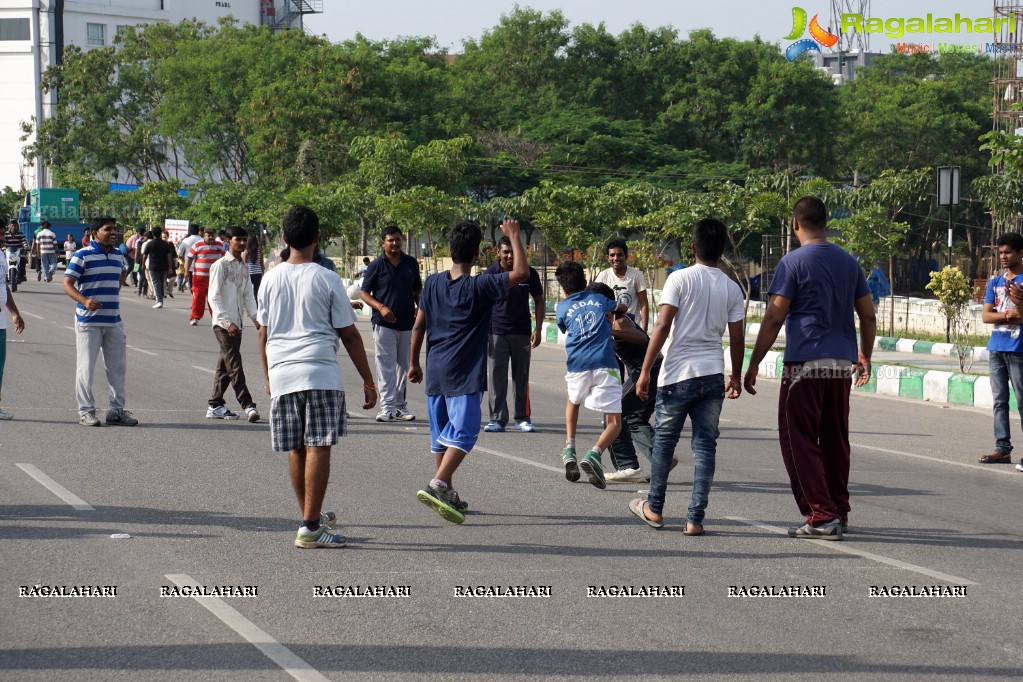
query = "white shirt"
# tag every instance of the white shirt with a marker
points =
(185, 244)
(707, 300)
(627, 289)
(230, 294)
(302, 307)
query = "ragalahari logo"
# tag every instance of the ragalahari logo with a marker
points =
(819, 37)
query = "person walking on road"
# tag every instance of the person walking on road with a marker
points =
(511, 340)
(7, 301)
(201, 257)
(391, 287)
(46, 247)
(93, 279)
(626, 281)
(231, 301)
(158, 257)
(303, 311)
(815, 292)
(183, 248)
(1005, 347)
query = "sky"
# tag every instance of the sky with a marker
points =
(451, 21)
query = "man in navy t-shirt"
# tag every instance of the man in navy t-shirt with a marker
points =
(816, 291)
(1005, 347)
(511, 340)
(454, 319)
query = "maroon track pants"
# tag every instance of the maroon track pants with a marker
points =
(813, 430)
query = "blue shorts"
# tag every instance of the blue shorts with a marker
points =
(454, 421)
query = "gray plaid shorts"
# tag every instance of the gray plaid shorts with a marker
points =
(313, 417)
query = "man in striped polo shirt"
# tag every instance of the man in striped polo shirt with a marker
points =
(46, 247)
(202, 255)
(94, 278)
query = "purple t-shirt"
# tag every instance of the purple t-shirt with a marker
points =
(823, 283)
(511, 316)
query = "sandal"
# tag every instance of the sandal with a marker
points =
(697, 528)
(996, 458)
(637, 507)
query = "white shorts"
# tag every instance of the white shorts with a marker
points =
(601, 388)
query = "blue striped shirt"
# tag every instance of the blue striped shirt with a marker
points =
(98, 275)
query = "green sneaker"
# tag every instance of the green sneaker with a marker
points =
(593, 470)
(438, 500)
(571, 465)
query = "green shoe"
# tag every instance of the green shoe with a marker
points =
(593, 470)
(438, 500)
(571, 465)
(456, 501)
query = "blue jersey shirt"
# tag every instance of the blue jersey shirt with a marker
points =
(457, 330)
(588, 341)
(98, 275)
(1005, 338)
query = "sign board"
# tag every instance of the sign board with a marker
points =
(948, 186)
(176, 229)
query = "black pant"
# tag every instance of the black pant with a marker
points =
(636, 429)
(229, 370)
(502, 349)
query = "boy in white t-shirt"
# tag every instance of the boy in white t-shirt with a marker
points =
(7, 301)
(697, 305)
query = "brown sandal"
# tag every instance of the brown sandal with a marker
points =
(697, 528)
(996, 458)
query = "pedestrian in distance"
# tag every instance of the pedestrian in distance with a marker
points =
(626, 281)
(158, 258)
(93, 279)
(16, 243)
(253, 258)
(201, 257)
(454, 320)
(69, 248)
(193, 238)
(391, 287)
(303, 311)
(593, 377)
(46, 247)
(1002, 299)
(512, 341)
(231, 301)
(7, 301)
(698, 304)
(815, 292)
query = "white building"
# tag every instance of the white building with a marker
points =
(33, 34)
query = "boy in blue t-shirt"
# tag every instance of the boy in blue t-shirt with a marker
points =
(593, 374)
(454, 318)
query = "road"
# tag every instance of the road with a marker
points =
(209, 502)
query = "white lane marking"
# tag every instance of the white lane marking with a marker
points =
(38, 317)
(70, 329)
(147, 352)
(254, 635)
(55, 488)
(839, 547)
(530, 462)
(203, 369)
(980, 467)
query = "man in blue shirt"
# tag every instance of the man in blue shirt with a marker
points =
(1005, 347)
(454, 319)
(94, 278)
(391, 287)
(816, 290)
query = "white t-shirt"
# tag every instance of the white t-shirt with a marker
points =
(707, 300)
(627, 289)
(302, 306)
(185, 244)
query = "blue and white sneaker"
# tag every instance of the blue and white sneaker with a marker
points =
(493, 427)
(321, 537)
(328, 518)
(526, 426)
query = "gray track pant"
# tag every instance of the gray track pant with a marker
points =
(392, 357)
(90, 341)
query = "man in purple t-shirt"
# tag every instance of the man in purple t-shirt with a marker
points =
(815, 291)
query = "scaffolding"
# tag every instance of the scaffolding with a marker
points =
(849, 41)
(282, 15)
(771, 250)
(1007, 107)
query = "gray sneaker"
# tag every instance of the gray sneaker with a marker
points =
(832, 530)
(403, 415)
(89, 419)
(121, 418)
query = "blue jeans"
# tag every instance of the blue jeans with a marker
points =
(49, 265)
(700, 399)
(1005, 367)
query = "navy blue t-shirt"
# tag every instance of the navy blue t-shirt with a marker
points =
(823, 283)
(588, 341)
(395, 287)
(457, 326)
(511, 316)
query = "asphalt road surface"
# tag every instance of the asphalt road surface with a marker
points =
(208, 503)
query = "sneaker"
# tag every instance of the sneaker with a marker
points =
(438, 500)
(385, 416)
(193, 322)
(158, 305)
(627, 476)
(571, 465)
(457, 502)
(321, 537)
(327, 518)
(4, 416)
(121, 418)
(252, 414)
(593, 470)
(89, 419)
(526, 426)
(220, 412)
(404, 415)
(832, 530)
(1019, 467)
(493, 427)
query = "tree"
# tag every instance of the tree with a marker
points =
(952, 289)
